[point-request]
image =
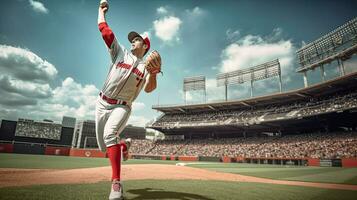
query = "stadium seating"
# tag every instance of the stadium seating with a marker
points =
(253, 115)
(317, 145)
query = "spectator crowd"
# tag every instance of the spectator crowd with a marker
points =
(317, 145)
(250, 116)
(38, 130)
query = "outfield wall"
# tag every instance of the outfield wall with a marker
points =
(29, 148)
(58, 151)
(87, 153)
(6, 148)
(44, 149)
(349, 162)
(313, 162)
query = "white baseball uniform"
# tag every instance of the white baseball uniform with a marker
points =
(127, 76)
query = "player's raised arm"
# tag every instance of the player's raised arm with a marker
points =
(109, 38)
(103, 8)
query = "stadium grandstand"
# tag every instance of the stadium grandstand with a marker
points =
(315, 122)
(319, 121)
(46, 129)
(335, 145)
(30, 131)
(27, 136)
(328, 105)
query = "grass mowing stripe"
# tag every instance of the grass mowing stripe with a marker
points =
(344, 175)
(27, 161)
(241, 165)
(310, 174)
(176, 189)
(49, 162)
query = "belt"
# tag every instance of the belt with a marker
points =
(112, 101)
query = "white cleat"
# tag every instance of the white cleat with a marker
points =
(116, 192)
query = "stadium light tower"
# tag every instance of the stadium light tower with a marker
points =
(340, 44)
(194, 83)
(259, 72)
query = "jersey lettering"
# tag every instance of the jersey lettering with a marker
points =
(138, 72)
(123, 65)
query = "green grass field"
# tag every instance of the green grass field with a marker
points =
(174, 189)
(182, 189)
(61, 162)
(293, 173)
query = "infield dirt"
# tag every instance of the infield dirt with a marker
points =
(23, 177)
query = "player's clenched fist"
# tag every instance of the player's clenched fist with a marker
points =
(103, 6)
(153, 62)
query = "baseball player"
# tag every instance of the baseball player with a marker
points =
(128, 74)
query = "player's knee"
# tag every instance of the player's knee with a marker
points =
(110, 139)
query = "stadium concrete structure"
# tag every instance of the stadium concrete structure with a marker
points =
(84, 134)
(322, 107)
(69, 122)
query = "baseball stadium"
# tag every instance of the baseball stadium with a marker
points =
(294, 144)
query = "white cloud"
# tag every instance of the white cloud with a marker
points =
(75, 99)
(26, 92)
(187, 96)
(276, 34)
(25, 77)
(73, 93)
(25, 88)
(193, 19)
(161, 10)
(214, 93)
(138, 120)
(195, 12)
(38, 7)
(138, 106)
(303, 43)
(70, 99)
(252, 50)
(232, 35)
(25, 65)
(167, 28)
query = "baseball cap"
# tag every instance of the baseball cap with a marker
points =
(145, 38)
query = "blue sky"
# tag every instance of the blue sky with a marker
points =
(53, 60)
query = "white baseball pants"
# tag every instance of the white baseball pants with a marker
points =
(110, 121)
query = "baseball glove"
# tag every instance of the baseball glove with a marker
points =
(153, 62)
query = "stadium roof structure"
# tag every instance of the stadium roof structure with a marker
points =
(252, 74)
(341, 83)
(340, 43)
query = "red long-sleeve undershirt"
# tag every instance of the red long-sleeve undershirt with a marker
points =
(107, 33)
